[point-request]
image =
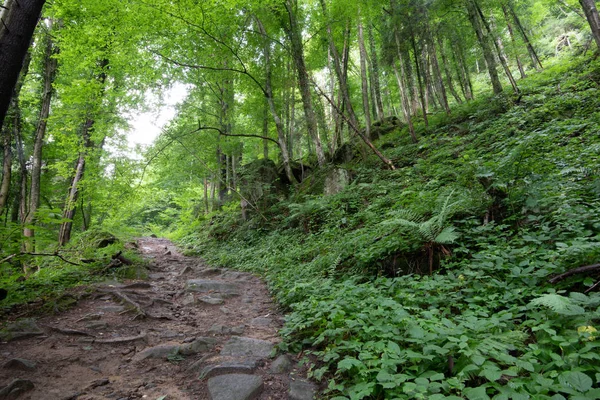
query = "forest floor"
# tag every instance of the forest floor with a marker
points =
(188, 332)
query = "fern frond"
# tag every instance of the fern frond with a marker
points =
(447, 236)
(559, 304)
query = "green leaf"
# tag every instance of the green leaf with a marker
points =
(577, 380)
(347, 364)
(478, 393)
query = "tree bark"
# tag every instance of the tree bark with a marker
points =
(281, 139)
(49, 74)
(483, 40)
(419, 80)
(295, 36)
(437, 72)
(19, 19)
(376, 82)
(449, 82)
(591, 14)
(400, 77)
(532, 53)
(10, 130)
(363, 78)
(511, 33)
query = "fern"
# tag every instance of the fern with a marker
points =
(559, 304)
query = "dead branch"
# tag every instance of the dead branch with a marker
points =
(39, 255)
(69, 331)
(580, 270)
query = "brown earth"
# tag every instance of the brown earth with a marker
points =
(95, 350)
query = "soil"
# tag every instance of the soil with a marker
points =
(88, 352)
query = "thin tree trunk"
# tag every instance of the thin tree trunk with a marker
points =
(591, 14)
(511, 33)
(375, 74)
(206, 203)
(449, 82)
(420, 80)
(341, 67)
(401, 82)
(19, 19)
(266, 130)
(499, 48)
(437, 72)
(363, 78)
(49, 73)
(281, 139)
(295, 37)
(532, 53)
(490, 60)
(64, 234)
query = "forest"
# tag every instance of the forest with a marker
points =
(417, 181)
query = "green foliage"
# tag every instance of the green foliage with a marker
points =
(517, 181)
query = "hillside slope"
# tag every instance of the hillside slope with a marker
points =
(494, 199)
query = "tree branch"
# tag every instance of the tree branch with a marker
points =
(581, 270)
(204, 128)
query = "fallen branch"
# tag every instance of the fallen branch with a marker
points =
(580, 270)
(39, 255)
(70, 331)
(141, 336)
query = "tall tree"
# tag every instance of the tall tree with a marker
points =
(591, 13)
(18, 21)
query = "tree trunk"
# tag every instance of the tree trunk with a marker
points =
(10, 130)
(511, 33)
(266, 131)
(591, 13)
(281, 139)
(419, 80)
(64, 234)
(295, 37)
(449, 82)
(49, 73)
(19, 19)
(483, 40)
(376, 82)
(363, 78)
(401, 82)
(437, 72)
(341, 68)
(532, 53)
(499, 48)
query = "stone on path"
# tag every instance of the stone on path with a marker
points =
(232, 367)
(301, 390)
(281, 365)
(247, 347)
(15, 389)
(21, 364)
(235, 387)
(261, 321)
(212, 300)
(169, 349)
(206, 286)
(20, 330)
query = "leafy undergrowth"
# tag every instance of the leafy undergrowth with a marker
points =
(44, 284)
(495, 198)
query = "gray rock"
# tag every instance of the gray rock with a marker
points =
(237, 330)
(188, 299)
(113, 308)
(281, 365)
(169, 349)
(225, 310)
(96, 325)
(20, 330)
(301, 390)
(15, 389)
(210, 272)
(247, 299)
(247, 347)
(160, 351)
(235, 387)
(335, 181)
(211, 300)
(199, 345)
(261, 321)
(21, 364)
(242, 367)
(206, 286)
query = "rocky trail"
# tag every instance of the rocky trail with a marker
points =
(188, 332)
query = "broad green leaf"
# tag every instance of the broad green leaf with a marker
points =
(577, 380)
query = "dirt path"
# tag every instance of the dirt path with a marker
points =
(189, 332)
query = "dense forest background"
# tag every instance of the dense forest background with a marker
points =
(407, 175)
